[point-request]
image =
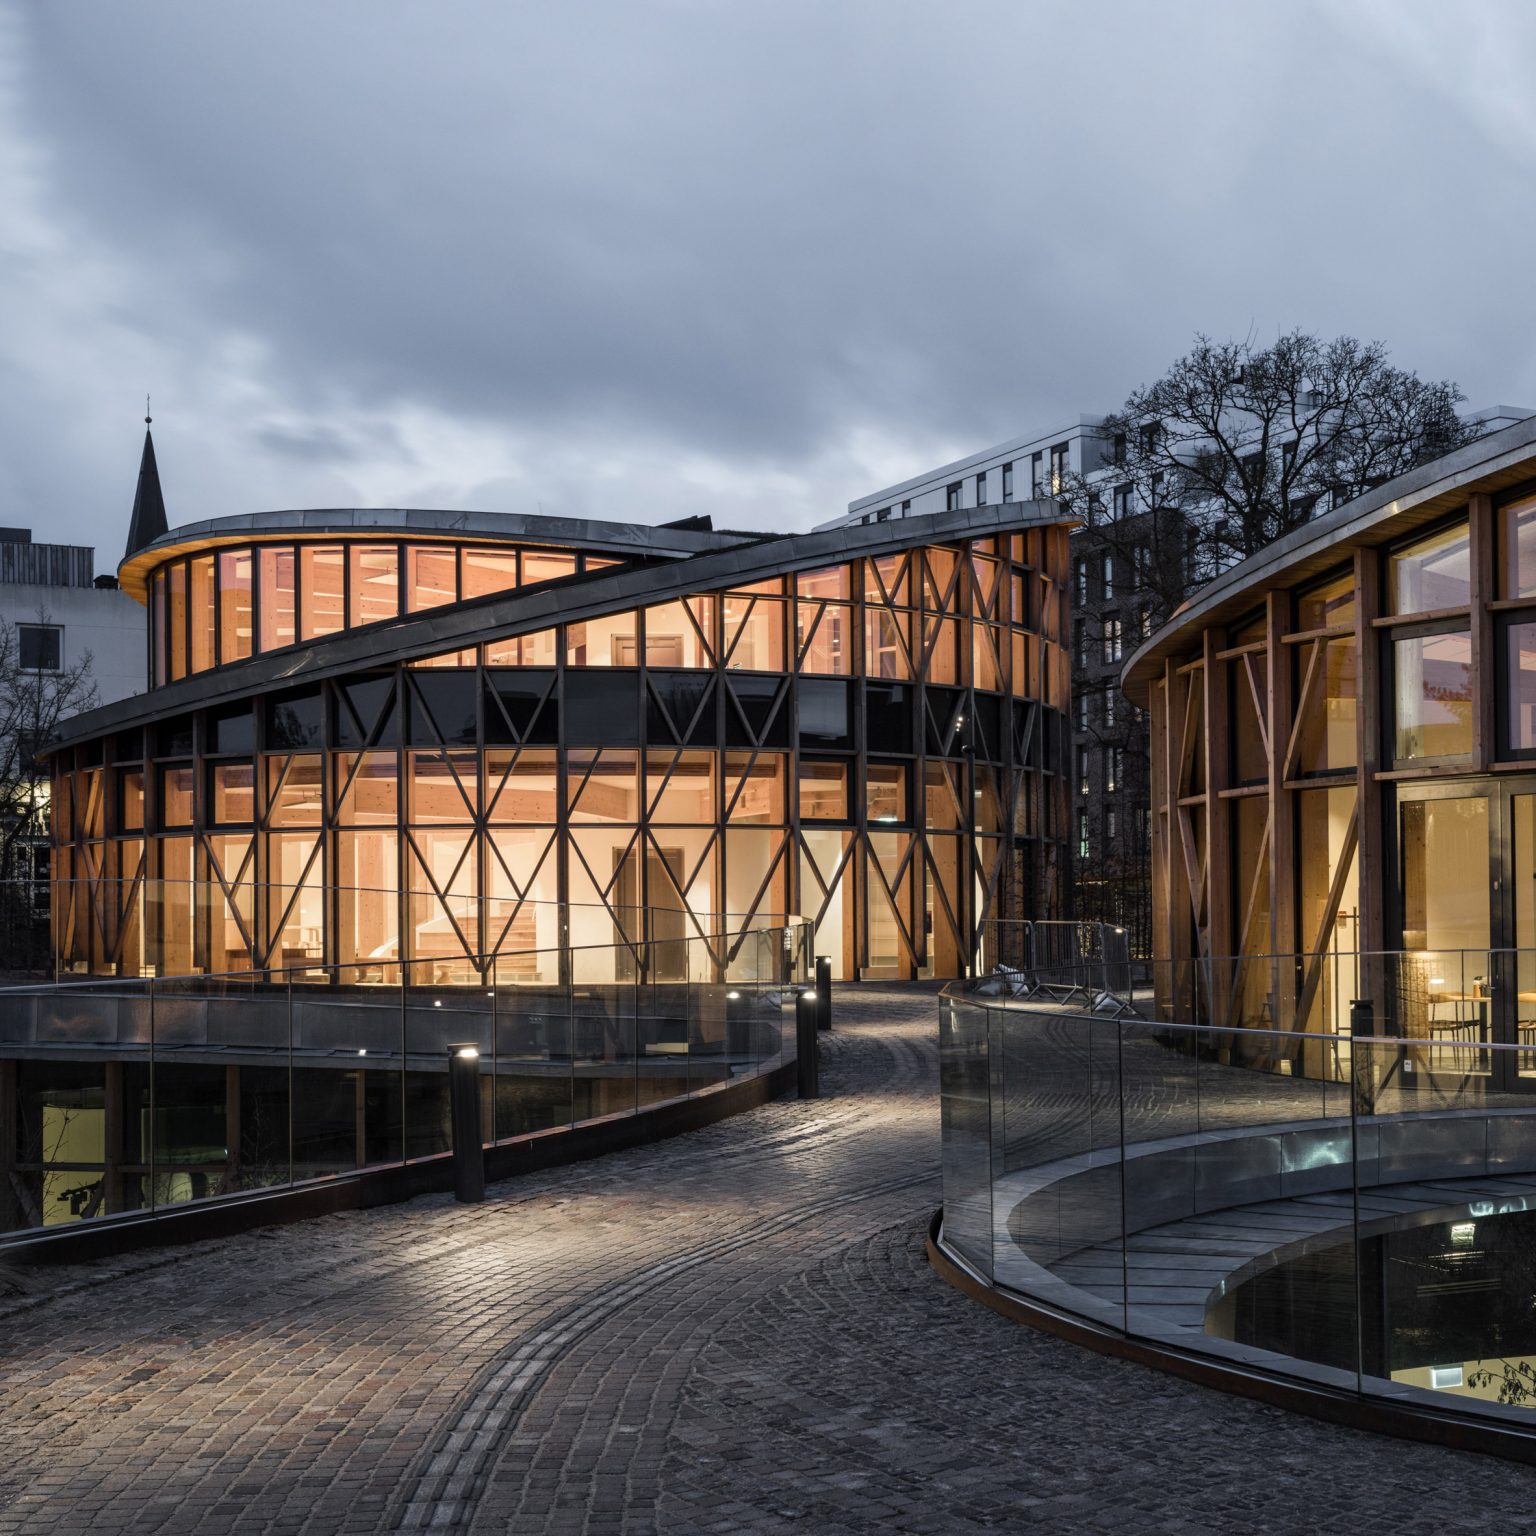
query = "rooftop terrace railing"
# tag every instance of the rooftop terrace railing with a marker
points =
(124, 1097)
(144, 927)
(1343, 1212)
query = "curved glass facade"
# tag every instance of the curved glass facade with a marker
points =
(224, 605)
(875, 743)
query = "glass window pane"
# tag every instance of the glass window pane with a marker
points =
(488, 570)
(603, 786)
(823, 790)
(1520, 686)
(680, 634)
(323, 603)
(367, 788)
(1327, 607)
(295, 796)
(887, 634)
(178, 620)
(157, 623)
(234, 793)
(886, 792)
(547, 565)
(753, 633)
(130, 806)
(431, 577)
(1433, 675)
(1445, 874)
(443, 787)
(824, 638)
(522, 787)
(1517, 549)
(887, 580)
(367, 900)
(834, 583)
(277, 597)
(536, 650)
(176, 796)
(375, 583)
(235, 634)
(681, 787)
(943, 797)
(606, 642)
(202, 613)
(1328, 725)
(1434, 573)
(754, 788)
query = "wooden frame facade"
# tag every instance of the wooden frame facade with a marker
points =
(1298, 705)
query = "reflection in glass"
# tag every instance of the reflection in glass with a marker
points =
(1434, 573)
(1433, 688)
(1520, 686)
(1517, 548)
(1330, 606)
(1328, 741)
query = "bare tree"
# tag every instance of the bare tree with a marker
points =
(1234, 447)
(34, 701)
(1252, 441)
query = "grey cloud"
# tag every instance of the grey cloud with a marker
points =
(747, 231)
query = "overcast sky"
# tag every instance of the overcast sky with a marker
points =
(643, 260)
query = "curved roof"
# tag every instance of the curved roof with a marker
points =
(1491, 464)
(570, 600)
(625, 541)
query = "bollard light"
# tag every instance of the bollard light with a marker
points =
(823, 993)
(807, 1049)
(464, 1115)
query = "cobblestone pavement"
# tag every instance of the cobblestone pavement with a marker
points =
(734, 1331)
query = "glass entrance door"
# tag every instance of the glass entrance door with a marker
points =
(1521, 998)
(1467, 974)
(1442, 988)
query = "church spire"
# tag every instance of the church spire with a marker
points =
(148, 521)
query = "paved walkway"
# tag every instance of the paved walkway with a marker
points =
(732, 1331)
